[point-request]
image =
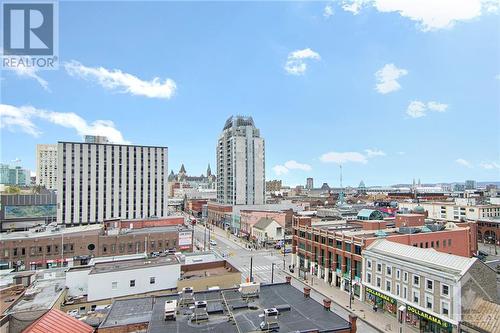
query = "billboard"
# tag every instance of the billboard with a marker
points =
(185, 238)
(31, 211)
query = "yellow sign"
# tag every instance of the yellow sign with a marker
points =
(427, 316)
(379, 294)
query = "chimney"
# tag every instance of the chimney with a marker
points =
(288, 279)
(307, 292)
(352, 320)
(326, 303)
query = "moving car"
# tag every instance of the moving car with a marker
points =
(213, 242)
(286, 250)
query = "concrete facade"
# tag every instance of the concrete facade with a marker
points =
(46, 165)
(97, 182)
(240, 156)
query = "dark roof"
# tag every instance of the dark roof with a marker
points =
(263, 223)
(298, 314)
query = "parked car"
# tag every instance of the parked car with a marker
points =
(286, 250)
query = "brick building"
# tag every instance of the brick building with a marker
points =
(248, 218)
(219, 214)
(332, 250)
(51, 247)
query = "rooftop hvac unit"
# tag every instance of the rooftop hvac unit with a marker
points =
(199, 311)
(249, 289)
(270, 320)
(187, 296)
(170, 310)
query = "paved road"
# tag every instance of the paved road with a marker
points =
(239, 256)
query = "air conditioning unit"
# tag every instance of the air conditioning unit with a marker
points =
(249, 289)
(187, 296)
(170, 310)
(270, 320)
(199, 311)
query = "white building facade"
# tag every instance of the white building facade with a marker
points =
(425, 289)
(240, 163)
(104, 181)
(46, 165)
(461, 209)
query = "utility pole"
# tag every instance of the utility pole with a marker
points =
(205, 237)
(272, 273)
(284, 248)
(251, 269)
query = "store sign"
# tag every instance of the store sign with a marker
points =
(427, 316)
(185, 238)
(379, 294)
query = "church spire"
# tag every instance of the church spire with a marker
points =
(209, 171)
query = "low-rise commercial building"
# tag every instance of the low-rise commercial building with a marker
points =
(332, 250)
(426, 289)
(52, 246)
(23, 211)
(267, 231)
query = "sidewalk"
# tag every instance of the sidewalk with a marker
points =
(378, 321)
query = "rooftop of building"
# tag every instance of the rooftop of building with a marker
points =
(9, 296)
(263, 223)
(151, 230)
(427, 257)
(47, 231)
(207, 269)
(41, 295)
(56, 321)
(131, 264)
(112, 144)
(296, 312)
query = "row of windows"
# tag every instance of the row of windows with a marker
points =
(38, 250)
(114, 284)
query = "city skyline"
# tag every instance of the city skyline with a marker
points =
(390, 96)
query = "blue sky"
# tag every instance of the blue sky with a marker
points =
(389, 91)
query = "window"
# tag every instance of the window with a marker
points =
(398, 290)
(405, 292)
(114, 285)
(416, 296)
(429, 302)
(152, 280)
(445, 290)
(405, 276)
(398, 274)
(429, 285)
(388, 286)
(132, 283)
(445, 308)
(379, 283)
(91, 247)
(368, 264)
(369, 277)
(379, 268)
(388, 270)
(416, 280)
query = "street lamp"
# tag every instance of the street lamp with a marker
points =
(493, 239)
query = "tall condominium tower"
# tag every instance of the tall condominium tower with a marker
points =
(309, 183)
(240, 163)
(99, 181)
(46, 165)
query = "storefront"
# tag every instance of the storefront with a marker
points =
(381, 301)
(425, 322)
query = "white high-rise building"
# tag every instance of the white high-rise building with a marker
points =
(103, 181)
(46, 165)
(240, 163)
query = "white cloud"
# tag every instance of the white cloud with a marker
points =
(280, 170)
(328, 11)
(123, 82)
(387, 78)
(435, 106)
(294, 165)
(464, 162)
(31, 72)
(341, 158)
(489, 165)
(418, 109)
(353, 6)
(429, 14)
(290, 165)
(296, 61)
(374, 152)
(23, 117)
(401, 152)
